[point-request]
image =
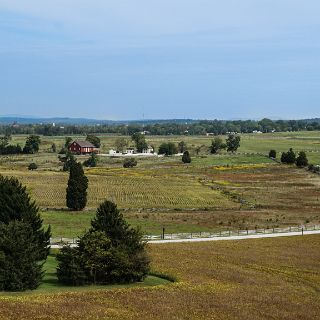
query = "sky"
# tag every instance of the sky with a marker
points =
(160, 59)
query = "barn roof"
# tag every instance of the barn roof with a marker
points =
(84, 144)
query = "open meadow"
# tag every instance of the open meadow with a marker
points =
(246, 279)
(241, 190)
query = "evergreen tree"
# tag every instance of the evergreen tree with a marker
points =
(77, 188)
(68, 161)
(69, 270)
(288, 157)
(19, 266)
(302, 160)
(272, 154)
(110, 252)
(23, 241)
(186, 157)
(92, 161)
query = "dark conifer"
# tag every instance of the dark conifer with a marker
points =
(24, 244)
(186, 157)
(77, 188)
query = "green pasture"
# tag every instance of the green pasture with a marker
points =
(50, 284)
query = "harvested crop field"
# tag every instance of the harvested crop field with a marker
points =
(248, 279)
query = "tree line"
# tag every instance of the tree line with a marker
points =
(215, 127)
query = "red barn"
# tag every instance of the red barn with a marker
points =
(82, 147)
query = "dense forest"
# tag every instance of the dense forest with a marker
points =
(189, 127)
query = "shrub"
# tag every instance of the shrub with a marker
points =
(92, 161)
(302, 160)
(32, 166)
(129, 163)
(168, 149)
(186, 157)
(217, 145)
(272, 154)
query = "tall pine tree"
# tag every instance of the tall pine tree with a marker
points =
(24, 243)
(77, 188)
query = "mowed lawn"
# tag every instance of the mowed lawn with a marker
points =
(246, 279)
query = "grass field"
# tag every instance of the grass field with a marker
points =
(247, 279)
(243, 190)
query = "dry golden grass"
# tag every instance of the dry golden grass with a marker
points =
(135, 188)
(247, 279)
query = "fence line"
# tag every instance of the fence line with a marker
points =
(201, 234)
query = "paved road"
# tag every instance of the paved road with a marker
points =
(227, 238)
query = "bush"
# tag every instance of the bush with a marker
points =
(32, 166)
(168, 149)
(272, 154)
(129, 163)
(92, 161)
(302, 160)
(186, 157)
(110, 252)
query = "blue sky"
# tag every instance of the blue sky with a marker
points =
(197, 59)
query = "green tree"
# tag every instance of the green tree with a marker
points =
(288, 157)
(32, 144)
(69, 270)
(92, 161)
(19, 266)
(272, 154)
(67, 161)
(120, 144)
(302, 160)
(216, 145)
(110, 252)
(94, 140)
(140, 141)
(77, 188)
(233, 142)
(168, 149)
(24, 243)
(186, 157)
